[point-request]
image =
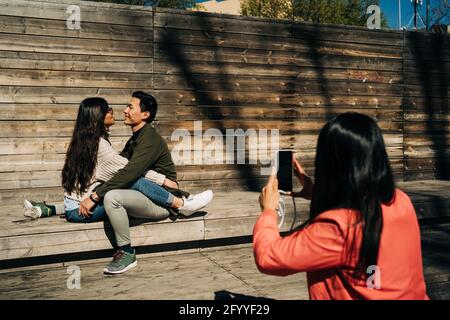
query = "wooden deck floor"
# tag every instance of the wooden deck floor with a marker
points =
(207, 275)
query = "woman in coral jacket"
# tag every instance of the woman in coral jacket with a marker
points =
(362, 240)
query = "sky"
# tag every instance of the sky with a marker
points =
(390, 10)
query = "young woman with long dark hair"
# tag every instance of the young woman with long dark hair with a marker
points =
(362, 240)
(90, 160)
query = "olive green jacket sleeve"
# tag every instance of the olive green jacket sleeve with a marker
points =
(145, 155)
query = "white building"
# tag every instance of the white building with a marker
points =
(226, 6)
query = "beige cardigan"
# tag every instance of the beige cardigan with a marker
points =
(108, 163)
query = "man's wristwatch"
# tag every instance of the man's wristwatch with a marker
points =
(92, 198)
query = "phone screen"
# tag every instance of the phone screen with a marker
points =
(284, 174)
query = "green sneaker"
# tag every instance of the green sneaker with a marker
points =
(36, 210)
(122, 262)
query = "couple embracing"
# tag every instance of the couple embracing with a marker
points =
(99, 182)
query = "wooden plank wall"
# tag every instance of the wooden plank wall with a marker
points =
(426, 106)
(250, 73)
(229, 72)
(47, 69)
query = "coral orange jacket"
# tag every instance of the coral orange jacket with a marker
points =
(323, 250)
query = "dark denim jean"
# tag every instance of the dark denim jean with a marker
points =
(99, 214)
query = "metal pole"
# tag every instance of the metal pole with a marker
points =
(415, 14)
(399, 15)
(428, 15)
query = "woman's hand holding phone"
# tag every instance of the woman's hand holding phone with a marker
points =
(304, 179)
(269, 197)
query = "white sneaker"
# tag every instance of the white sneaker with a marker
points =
(196, 202)
(31, 211)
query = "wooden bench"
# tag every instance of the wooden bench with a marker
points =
(231, 214)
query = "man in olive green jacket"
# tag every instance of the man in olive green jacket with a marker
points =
(145, 150)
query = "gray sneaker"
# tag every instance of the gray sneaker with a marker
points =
(122, 262)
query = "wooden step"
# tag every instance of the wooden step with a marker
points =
(231, 214)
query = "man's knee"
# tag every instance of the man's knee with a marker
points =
(113, 199)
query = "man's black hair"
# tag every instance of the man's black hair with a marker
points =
(147, 103)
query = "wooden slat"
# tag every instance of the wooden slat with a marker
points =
(432, 116)
(193, 69)
(423, 103)
(31, 162)
(426, 140)
(72, 62)
(437, 50)
(429, 128)
(271, 57)
(274, 28)
(37, 146)
(44, 111)
(273, 84)
(21, 171)
(33, 145)
(9, 129)
(433, 66)
(426, 164)
(426, 151)
(45, 129)
(170, 112)
(49, 95)
(48, 173)
(419, 175)
(427, 46)
(16, 197)
(435, 91)
(426, 38)
(46, 95)
(137, 16)
(33, 43)
(74, 79)
(326, 99)
(58, 28)
(175, 37)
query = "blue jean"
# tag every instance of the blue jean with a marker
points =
(151, 190)
(99, 214)
(154, 192)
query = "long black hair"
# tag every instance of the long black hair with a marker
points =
(81, 156)
(352, 171)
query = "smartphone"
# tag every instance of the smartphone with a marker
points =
(285, 170)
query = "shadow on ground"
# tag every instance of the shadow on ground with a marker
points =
(228, 295)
